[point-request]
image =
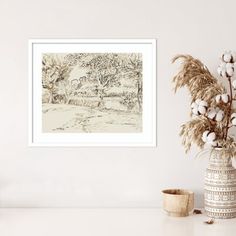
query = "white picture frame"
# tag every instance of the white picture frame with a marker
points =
(147, 137)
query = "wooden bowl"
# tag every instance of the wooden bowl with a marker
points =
(178, 202)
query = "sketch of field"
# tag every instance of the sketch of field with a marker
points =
(92, 92)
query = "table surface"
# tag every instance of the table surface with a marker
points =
(106, 222)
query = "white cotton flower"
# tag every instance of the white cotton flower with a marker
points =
(224, 74)
(230, 72)
(194, 107)
(234, 84)
(219, 70)
(229, 65)
(225, 98)
(222, 98)
(233, 115)
(234, 56)
(211, 114)
(229, 56)
(204, 136)
(226, 68)
(233, 119)
(195, 111)
(202, 107)
(209, 137)
(222, 70)
(226, 57)
(218, 98)
(229, 69)
(219, 116)
(215, 114)
(199, 107)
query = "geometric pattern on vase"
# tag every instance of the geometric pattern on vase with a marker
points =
(220, 187)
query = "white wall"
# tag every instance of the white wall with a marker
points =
(104, 176)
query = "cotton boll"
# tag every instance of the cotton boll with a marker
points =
(202, 110)
(222, 69)
(229, 69)
(223, 65)
(202, 106)
(222, 97)
(195, 111)
(219, 116)
(233, 115)
(233, 119)
(234, 84)
(204, 135)
(227, 57)
(234, 56)
(229, 65)
(211, 113)
(225, 98)
(223, 73)
(199, 107)
(219, 70)
(218, 98)
(211, 137)
(193, 105)
(230, 72)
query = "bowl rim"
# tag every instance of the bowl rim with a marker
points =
(170, 191)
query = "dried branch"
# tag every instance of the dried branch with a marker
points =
(196, 77)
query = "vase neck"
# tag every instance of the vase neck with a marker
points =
(217, 159)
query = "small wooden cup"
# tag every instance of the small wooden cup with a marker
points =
(178, 202)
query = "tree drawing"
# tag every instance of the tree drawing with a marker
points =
(105, 68)
(133, 68)
(92, 92)
(55, 74)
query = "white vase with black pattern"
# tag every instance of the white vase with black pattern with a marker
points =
(220, 187)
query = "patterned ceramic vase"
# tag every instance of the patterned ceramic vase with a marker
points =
(220, 187)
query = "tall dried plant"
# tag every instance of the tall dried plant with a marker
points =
(212, 112)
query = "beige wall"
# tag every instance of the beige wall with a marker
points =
(104, 176)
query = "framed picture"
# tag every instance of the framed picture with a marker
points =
(91, 92)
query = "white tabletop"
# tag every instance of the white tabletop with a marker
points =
(107, 222)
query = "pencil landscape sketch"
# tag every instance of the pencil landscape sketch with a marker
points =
(92, 92)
